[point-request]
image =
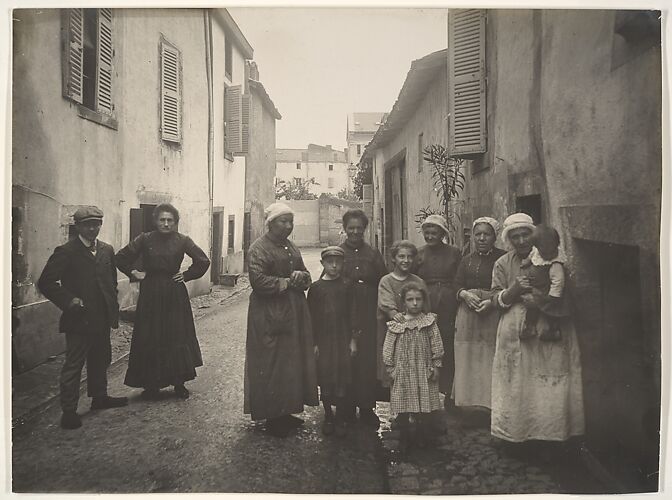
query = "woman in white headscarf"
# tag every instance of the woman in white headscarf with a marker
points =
(537, 391)
(280, 372)
(436, 264)
(477, 318)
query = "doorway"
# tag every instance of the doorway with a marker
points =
(217, 231)
(396, 223)
(530, 205)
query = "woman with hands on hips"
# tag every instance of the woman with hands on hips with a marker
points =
(164, 347)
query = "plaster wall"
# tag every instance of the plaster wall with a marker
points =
(306, 222)
(259, 187)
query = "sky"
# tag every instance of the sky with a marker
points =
(319, 64)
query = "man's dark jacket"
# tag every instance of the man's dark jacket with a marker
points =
(73, 271)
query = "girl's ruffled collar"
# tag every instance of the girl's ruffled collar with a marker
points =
(421, 321)
(538, 260)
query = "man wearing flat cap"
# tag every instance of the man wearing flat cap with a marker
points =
(80, 278)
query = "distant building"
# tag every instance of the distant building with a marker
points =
(327, 166)
(360, 130)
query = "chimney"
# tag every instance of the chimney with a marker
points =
(252, 70)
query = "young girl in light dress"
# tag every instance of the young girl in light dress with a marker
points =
(412, 354)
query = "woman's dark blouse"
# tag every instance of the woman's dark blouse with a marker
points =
(475, 270)
(363, 264)
(163, 253)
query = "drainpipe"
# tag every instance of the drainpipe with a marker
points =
(211, 121)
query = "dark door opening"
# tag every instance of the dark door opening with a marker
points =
(247, 236)
(217, 230)
(530, 205)
(621, 403)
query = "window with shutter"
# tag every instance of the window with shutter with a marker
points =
(227, 148)
(234, 129)
(73, 54)
(466, 82)
(87, 61)
(104, 56)
(171, 93)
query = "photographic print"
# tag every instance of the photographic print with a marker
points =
(336, 250)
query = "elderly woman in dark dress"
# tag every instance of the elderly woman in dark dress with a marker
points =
(363, 267)
(436, 264)
(280, 372)
(477, 318)
(164, 348)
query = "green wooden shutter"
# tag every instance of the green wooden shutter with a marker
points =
(73, 54)
(234, 129)
(171, 93)
(104, 58)
(466, 82)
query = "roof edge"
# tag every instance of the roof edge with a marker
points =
(265, 98)
(229, 24)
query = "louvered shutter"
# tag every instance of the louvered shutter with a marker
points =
(73, 54)
(234, 129)
(171, 94)
(104, 57)
(245, 112)
(466, 82)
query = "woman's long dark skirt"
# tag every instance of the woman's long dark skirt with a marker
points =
(164, 348)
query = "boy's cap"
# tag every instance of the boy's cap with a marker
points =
(333, 251)
(88, 213)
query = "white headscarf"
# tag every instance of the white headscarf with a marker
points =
(496, 226)
(275, 210)
(516, 221)
(437, 220)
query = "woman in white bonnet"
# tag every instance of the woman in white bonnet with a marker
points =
(280, 372)
(537, 391)
(477, 318)
(437, 264)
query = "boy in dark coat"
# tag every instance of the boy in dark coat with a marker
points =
(80, 278)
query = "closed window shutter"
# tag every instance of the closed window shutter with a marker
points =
(245, 112)
(466, 82)
(73, 54)
(234, 129)
(171, 94)
(227, 149)
(104, 57)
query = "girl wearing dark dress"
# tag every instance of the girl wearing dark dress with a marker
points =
(363, 266)
(332, 311)
(164, 348)
(436, 264)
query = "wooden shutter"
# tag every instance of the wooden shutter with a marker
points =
(73, 54)
(171, 93)
(104, 58)
(234, 129)
(466, 81)
(245, 120)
